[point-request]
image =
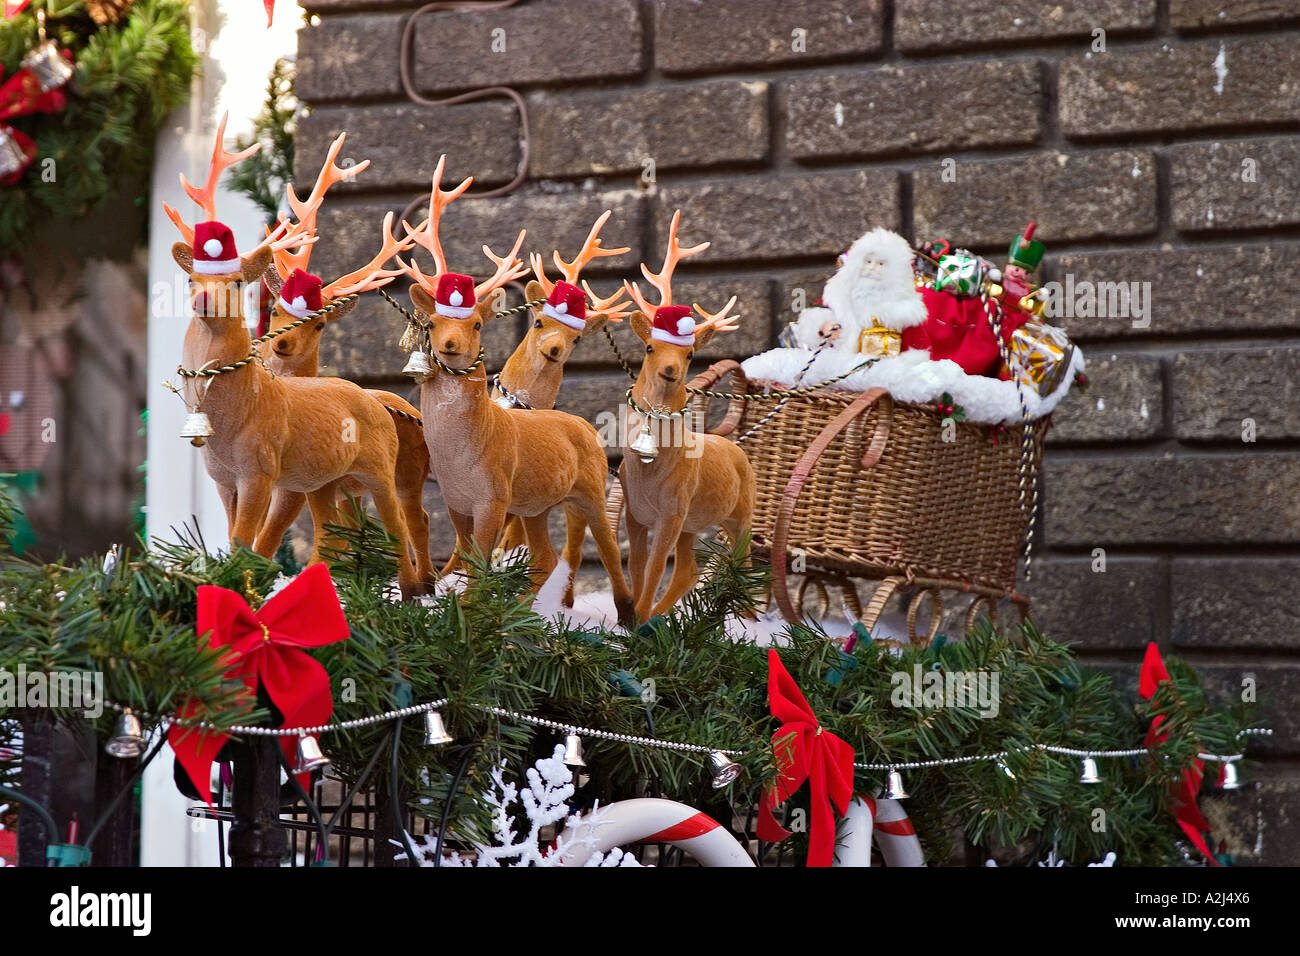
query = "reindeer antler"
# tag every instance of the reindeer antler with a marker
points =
(590, 250)
(305, 210)
(372, 275)
(508, 268)
(720, 321)
(426, 234)
(206, 198)
(614, 307)
(663, 280)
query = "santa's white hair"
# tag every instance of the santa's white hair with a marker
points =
(874, 281)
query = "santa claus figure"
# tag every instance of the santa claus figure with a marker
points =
(871, 302)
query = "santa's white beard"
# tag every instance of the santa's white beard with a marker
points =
(895, 306)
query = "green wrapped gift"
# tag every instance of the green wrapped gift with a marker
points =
(959, 274)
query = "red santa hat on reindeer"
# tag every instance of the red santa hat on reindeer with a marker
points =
(673, 324)
(214, 249)
(567, 304)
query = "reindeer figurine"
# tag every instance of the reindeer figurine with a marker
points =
(300, 434)
(296, 352)
(490, 461)
(532, 375)
(690, 484)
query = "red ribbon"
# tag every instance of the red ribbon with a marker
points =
(264, 648)
(805, 752)
(1182, 796)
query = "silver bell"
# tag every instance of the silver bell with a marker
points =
(1231, 781)
(1090, 774)
(197, 428)
(12, 157)
(310, 756)
(127, 741)
(417, 366)
(48, 65)
(435, 732)
(645, 446)
(725, 770)
(894, 789)
(573, 751)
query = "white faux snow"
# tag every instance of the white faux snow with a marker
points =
(913, 377)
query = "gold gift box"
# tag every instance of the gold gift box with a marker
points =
(1040, 355)
(879, 341)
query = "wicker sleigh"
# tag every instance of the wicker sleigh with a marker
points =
(863, 487)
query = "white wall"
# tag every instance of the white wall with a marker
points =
(234, 68)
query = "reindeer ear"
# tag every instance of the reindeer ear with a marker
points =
(484, 310)
(273, 281)
(421, 299)
(595, 322)
(704, 336)
(183, 255)
(341, 310)
(254, 265)
(641, 326)
(534, 290)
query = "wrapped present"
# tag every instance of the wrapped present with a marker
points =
(1040, 355)
(879, 341)
(959, 274)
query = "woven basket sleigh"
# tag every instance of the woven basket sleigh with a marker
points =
(861, 487)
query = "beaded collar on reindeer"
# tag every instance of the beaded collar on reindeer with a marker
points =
(655, 412)
(508, 398)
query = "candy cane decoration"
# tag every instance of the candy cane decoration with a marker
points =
(887, 823)
(651, 820)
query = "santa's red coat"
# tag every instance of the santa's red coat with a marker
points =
(957, 329)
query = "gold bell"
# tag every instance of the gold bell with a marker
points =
(725, 770)
(1090, 774)
(127, 741)
(435, 732)
(645, 446)
(197, 428)
(894, 789)
(1231, 781)
(417, 366)
(573, 751)
(46, 62)
(309, 756)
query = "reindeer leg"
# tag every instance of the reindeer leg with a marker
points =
(538, 536)
(381, 489)
(285, 507)
(229, 500)
(464, 525)
(252, 500)
(324, 512)
(575, 530)
(410, 494)
(487, 525)
(514, 534)
(638, 547)
(665, 536)
(685, 573)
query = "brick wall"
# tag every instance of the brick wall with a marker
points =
(1169, 158)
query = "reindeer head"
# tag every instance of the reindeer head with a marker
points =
(670, 332)
(564, 317)
(456, 307)
(300, 293)
(217, 272)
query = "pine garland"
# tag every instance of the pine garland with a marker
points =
(485, 647)
(129, 77)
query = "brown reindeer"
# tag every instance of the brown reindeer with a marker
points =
(693, 482)
(490, 461)
(296, 353)
(532, 375)
(301, 434)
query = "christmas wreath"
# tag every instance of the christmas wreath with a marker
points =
(73, 136)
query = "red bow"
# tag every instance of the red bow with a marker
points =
(812, 754)
(1182, 796)
(264, 649)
